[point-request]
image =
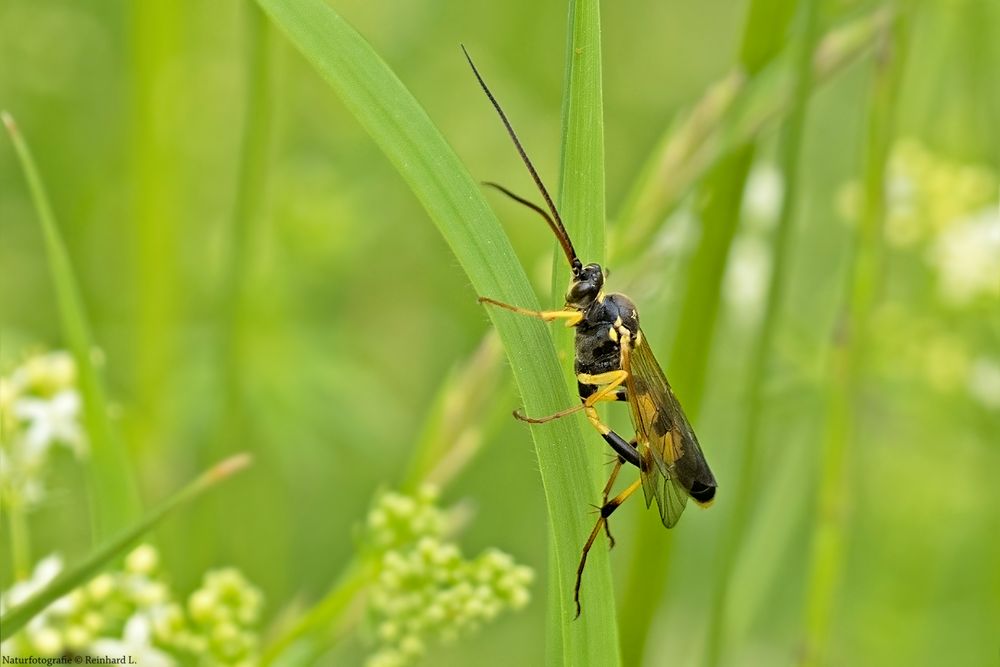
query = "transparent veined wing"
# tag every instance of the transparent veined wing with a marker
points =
(673, 466)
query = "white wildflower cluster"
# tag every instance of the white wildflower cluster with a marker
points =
(944, 215)
(947, 211)
(133, 612)
(39, 410)
(425, 589)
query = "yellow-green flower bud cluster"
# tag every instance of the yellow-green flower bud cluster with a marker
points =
(925, 194)
(946, 212)
(425, 589)
(224, 612)
(398, 520)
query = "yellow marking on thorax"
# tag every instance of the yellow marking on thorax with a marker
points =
(612, 334)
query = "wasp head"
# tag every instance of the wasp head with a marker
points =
(587, 284)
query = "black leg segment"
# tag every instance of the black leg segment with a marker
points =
(625, 450)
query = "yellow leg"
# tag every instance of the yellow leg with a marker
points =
(572, 317)
(611, 381)
(606, 510)
(625, 450)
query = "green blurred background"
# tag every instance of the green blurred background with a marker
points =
(355, 310)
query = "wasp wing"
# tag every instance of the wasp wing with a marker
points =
(673, 466)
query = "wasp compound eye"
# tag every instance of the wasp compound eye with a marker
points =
(582, 292)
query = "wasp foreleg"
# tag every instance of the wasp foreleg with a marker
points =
(572, 317)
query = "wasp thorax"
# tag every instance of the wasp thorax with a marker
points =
(585, 286)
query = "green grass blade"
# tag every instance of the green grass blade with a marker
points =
(581, 195)
(400, 126)
(16, 618)
(466, 408)
(115, 500)
(582, 205)
(743, 487)
(234, 426)
(251, 187)
(829, 540)
(319, 621)
(157, 31)
(763, 37)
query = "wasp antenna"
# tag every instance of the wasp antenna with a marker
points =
(521, 200)
(555, 222)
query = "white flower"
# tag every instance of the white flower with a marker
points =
(45, 373)
(142, 560)
(46, 640)
(764, 192)
(967, 258)
(45, 571)
(135, 643)
(7, 393)
(746, 278)
(54, 420)
(984, 382)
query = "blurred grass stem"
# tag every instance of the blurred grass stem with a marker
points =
(20, 540)
(732, 112)
(157, 43)
(763, 37)
(321, 620)
(250, 196)
(744, 488)
(113, 494)
(847, 353)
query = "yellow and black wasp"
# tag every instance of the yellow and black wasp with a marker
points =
(613, 362)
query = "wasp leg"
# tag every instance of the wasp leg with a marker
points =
(585, 390)
(606, 510)
(618, 462)
(604, 498)
(611, 381)
(572, 317)
(625, 450)
(589, 396)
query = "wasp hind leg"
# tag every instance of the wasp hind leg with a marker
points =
(607, 509)
(618, 461)
(604, 498)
